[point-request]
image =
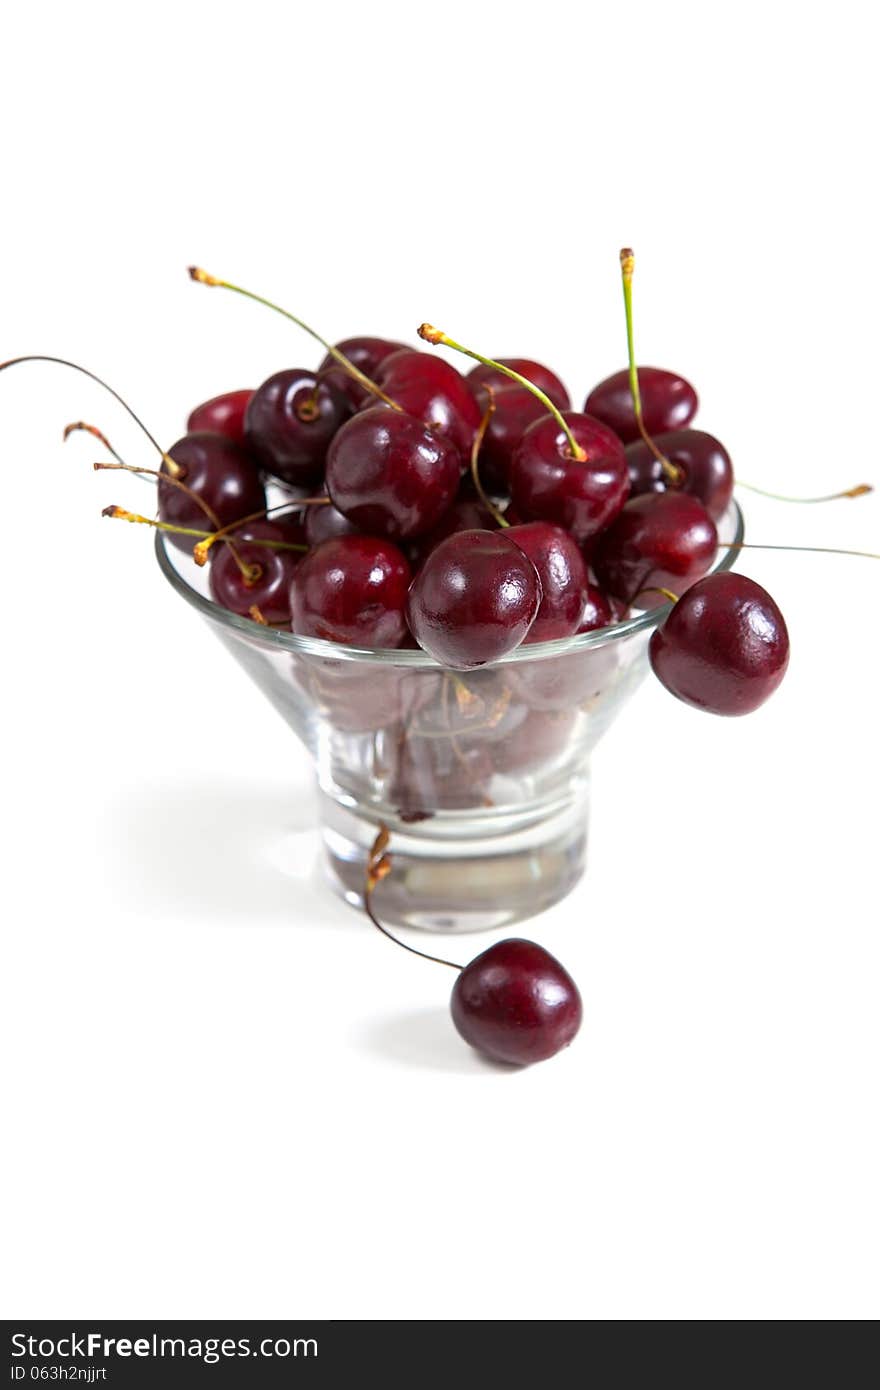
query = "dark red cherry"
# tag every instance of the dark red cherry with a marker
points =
(515, 409)
(474, 599)
(598, 611)
(390, 474)
(366, 354)
(535, 372)
(217, 471)
(516, 1003)
(540, 739)
(322, 523)
(668, 402)
(466, 514)
(221, 415)
(665, 540)
(352, 590)
(563, 576)
(269, 590)
(708, 472)
(434, 392)
(547, 484)
(724, 646)
(290, 422)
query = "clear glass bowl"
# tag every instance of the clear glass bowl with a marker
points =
(482, 777)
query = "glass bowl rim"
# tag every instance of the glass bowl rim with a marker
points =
(403, 656)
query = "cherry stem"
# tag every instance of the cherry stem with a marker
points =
(657, 589)
(627, 266)
(203, 278)
(860, 490)
(200, 551)
(475, 455)
(436, 336)
(256, 615)
(805, 549)
(173, 467)
(378, 867)
(121, 514)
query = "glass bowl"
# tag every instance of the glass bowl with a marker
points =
(482, 776)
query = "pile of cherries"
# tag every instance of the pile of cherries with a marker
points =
(468, 515)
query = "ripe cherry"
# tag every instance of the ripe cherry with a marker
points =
(663, 540)
(515, 409)
(467, 513)
(516, 1003)
(322, 523)
(290, 422)
(221, 415)
(474, 599)
(222, 476)
(668, 402)
(548, 484)
(391, 475)
(366, 354)
(268, 586)
(702, 461)
(352, 589)
(563, 576)
(434, 392)
(724, 647)
(535, 372)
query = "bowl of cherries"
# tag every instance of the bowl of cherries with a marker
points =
(449, 583)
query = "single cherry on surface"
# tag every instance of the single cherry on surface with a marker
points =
(724, 647)
(352, 589)
(390, 474)
(290, 422)
(535, 372)
(434, 392)
(563, 575)
(548, 484)
(220, 473)
(663, 540)
(515, 1003)
(474, 599)
(668, 402)
(702, 461)
(222, 415)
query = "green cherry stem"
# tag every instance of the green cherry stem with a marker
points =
(202, 277)
(860, 490)
(475, 461)
(627, 266)
(803, 549)
(436, 336)
(122, 514)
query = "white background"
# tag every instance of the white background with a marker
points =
(226, 1096)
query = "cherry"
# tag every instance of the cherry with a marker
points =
(391, 475)
(668, 402)
(268, 588)
(541, 737)
(352, 705)
(598, 611)
(702, 461)
(535, 372)
(515, 409)
(724, 647)
(366, 354)
(322, 523)
(433, 391)
(220, 474)
(436, 774)
(466, 514)
(548, 484)
(290, 422)
(663, 540)
(516, 1003)
(474, 599)
(221, 415)
(352, 589)
(563, 577)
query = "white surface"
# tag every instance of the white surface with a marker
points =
(227, 1096)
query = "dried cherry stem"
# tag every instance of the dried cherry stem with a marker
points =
(436, 336)
(657, 589)
(378, 867)
(202, 277)
(860, 490)
(256, 615)
(122, 514)
(173, 467)
(627, 266)
(475, 457)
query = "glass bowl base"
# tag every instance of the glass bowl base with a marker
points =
(448, 875)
